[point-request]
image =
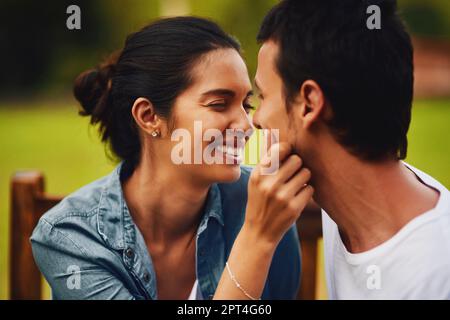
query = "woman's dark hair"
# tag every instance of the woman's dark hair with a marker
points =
(366, 75)
(156, 64)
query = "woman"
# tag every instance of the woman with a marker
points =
(156, 229)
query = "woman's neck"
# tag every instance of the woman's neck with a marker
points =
(166, 207)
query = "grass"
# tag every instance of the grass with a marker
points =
(55, 140)
(429, 139)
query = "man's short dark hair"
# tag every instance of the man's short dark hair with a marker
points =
(366, 75)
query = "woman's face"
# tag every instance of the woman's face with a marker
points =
(210, 121)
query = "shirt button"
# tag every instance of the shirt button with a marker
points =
(129, 253)
(146, 277)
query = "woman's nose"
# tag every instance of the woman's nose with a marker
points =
(243, 123)
(246, 122)
(256, 120)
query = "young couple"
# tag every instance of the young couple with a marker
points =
(340, 96)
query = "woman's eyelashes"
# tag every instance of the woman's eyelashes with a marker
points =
(217, 104)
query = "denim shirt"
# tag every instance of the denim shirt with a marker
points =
(88, 246)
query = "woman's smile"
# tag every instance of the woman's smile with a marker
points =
(232, 155)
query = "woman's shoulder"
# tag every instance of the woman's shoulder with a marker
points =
(74, 217)
(69, 228)
(83, 202)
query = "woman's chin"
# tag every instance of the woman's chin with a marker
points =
(227, 173)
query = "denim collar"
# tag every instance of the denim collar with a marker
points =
(115, 224)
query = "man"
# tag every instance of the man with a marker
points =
(341, 95)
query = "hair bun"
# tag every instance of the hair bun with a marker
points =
(92, 86)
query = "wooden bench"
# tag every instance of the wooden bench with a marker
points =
(29, 202)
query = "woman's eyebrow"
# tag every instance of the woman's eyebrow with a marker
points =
(224, 92)
(220, 92)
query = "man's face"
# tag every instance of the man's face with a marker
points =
(272, 112)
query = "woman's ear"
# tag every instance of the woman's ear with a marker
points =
(313, 102)
(144, 114)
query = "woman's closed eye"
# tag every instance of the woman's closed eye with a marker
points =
(217, 104)
(222, 104)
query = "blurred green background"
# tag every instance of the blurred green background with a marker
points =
(39, 125)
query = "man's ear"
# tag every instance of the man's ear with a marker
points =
(313, 102)
(144, 114)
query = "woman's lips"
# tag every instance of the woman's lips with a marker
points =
(232, 154)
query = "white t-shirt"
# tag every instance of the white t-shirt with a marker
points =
(195, 292)
(413, 264)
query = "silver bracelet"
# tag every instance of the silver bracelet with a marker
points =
(237, 283)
